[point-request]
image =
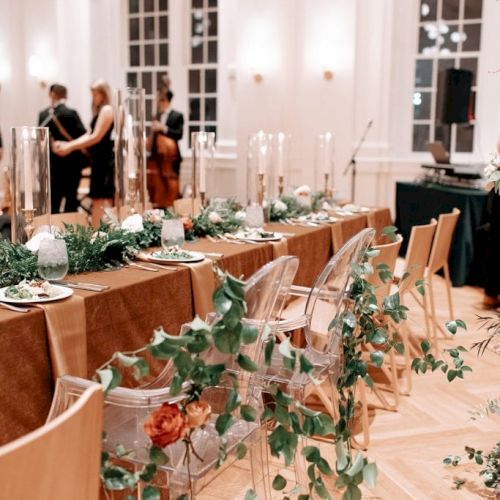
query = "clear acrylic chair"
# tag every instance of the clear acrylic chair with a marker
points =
(319, 317)
(126, 410)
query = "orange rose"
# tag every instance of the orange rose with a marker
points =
(166, 425)
(198, 412)
(187, 223)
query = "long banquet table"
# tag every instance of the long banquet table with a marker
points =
(124, 317)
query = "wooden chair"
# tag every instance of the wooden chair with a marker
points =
(60, 460)
(187, 207)
(378, 219)
(413, 269)
(58, 220)
(439, 260)
(388, 255)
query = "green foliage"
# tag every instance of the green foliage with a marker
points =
(16, 263)
(202, 226)
(293, 209)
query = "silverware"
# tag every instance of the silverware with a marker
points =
(14, 308)
(140, 266)
(93, 287)
(234, 238)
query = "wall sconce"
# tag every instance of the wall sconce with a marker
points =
(328, 74)
(36, 69)
(257, 75)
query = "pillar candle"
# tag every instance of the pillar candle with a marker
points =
(28, 181)
(131, 159)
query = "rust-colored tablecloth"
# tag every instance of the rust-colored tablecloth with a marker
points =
(124, 317)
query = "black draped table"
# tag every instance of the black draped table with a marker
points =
(417, 203)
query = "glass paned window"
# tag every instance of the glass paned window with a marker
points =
(449, 36)
(148, 48)
(202, 71)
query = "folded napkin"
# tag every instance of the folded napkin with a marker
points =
(203, 286)
(67, 334)
(280, 248)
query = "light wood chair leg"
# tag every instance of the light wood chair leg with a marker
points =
(433, 314)
(365, 421)
(448, 289)
(426, 315)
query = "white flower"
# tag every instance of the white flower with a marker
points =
(98, 235)
(489, 169)
(154, 215)
(133, 224)
(279, 206)
(214, 218)
(303, 190)
(326, 206)
(240, 215)
(34, 243)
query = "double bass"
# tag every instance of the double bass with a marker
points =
(162, 180)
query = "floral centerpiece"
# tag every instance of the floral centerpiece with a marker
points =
(492, 174)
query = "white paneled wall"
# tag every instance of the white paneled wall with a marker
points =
(368, 44)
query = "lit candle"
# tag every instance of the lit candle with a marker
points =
(28, 181)
(327, 153)
(131, 159)
(281, 159)
(262, 159)
(203, 173)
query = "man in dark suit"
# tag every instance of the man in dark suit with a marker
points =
(169, 122)
(65, 172)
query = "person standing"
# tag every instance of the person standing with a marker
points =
(169, 123)
(100, 147)
(64, 124)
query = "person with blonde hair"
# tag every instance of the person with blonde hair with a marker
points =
(100, 147)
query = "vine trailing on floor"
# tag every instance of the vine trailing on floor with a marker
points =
(490, 462)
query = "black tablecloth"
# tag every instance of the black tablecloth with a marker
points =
(418, 203)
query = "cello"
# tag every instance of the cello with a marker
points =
(162, 180)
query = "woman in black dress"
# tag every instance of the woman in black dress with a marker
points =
(100, 146)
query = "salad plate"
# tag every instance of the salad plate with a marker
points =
(177, 256)
(258, 235)
(33, 292)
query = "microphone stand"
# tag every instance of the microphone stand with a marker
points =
(352, 163)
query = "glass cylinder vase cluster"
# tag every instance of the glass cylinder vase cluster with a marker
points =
(29, 181)
(130, 152)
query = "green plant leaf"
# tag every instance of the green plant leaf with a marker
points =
(377, 358)
(341, 456)
(223, 423)
(357, 465)
(425, 346)
(324, 467)
(370, 475)
(268, 351)
(227, 340)
(311, 454)
(147, 473)
(285, 349)
(352, 493)
(109, 378)
(420, 286)
(451, 326)
(279, 482)
(233, 401)
(248, 413)
(157, 455)
(241, 451)
(150, 493)
(246, 363)
(249, 333)
(251, 495)
(305, 365)
(390, 232)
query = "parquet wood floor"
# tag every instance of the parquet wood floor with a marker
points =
(410, 444)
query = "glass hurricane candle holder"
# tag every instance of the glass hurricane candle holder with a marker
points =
(324, 164)
(203, 144)
(280, 160)
(29, 181)
(259, 179)
(130, 151)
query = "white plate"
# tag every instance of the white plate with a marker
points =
(316, 220)
(63, 294)
(243, 237)
(154, 257)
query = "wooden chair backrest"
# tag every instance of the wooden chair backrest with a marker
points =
(60, 460)
(442, 240)
(187, 207)
(388, 255)
(378, 219)
(58, 220)
(345, 229)
(417, 254)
